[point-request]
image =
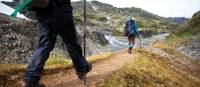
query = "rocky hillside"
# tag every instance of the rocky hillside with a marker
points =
(18, 38)
(187, 39)
(179, 20)
(191, 27)
(103, 7)
(105, 15)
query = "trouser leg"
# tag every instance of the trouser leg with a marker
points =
(131, 43)
(67, 31)
(45, 45)
(133, 40)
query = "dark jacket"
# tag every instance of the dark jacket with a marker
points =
(54, 4)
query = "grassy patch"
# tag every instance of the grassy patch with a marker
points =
(170, 50)
(98, 57)
(150, 70)
(118, 33)
(180, 60)
(53, 61)
(103, 19)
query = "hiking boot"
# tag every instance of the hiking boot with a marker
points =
(82, 75)
(129, 50)
(31, 84)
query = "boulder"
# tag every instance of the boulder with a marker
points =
(99, 38)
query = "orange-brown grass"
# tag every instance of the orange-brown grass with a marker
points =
(150, 70)
(180, 60)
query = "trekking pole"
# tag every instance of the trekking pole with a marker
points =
(84, 39)
(140, 42)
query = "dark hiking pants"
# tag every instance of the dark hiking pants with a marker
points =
(58, 21)
(131, 40)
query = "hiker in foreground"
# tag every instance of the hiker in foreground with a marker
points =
(54, 19)
(131, 31)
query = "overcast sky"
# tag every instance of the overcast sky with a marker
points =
(166, 8)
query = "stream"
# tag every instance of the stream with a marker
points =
(119, 43)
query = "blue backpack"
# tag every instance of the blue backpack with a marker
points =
(132, 28)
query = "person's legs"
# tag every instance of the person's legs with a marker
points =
(45, 45)
(131, 40)
(65, 25)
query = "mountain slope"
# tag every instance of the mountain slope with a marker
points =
(192, 27)
(186, 38)
(114, 17)
(133, 11)
(179, 20)
(188, 31)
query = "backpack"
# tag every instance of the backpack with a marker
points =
(131, 27)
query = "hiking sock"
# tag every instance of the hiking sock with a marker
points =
(130, 46)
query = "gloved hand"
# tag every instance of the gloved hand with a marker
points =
(23, 7)
(26, 11)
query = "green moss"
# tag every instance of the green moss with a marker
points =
(52, 61)
(118, 33)
(78, 21)
(103, 19)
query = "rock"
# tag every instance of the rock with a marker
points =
(99, 38)
(146, 33)
(191, 49)
(106, 31)
(18, 41)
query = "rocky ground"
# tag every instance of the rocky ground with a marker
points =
(192, 49)
(19, 38)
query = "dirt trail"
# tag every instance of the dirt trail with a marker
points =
(99, 72)
(100, 69)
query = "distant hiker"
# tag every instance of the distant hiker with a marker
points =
(131, 31)
(55, 19)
